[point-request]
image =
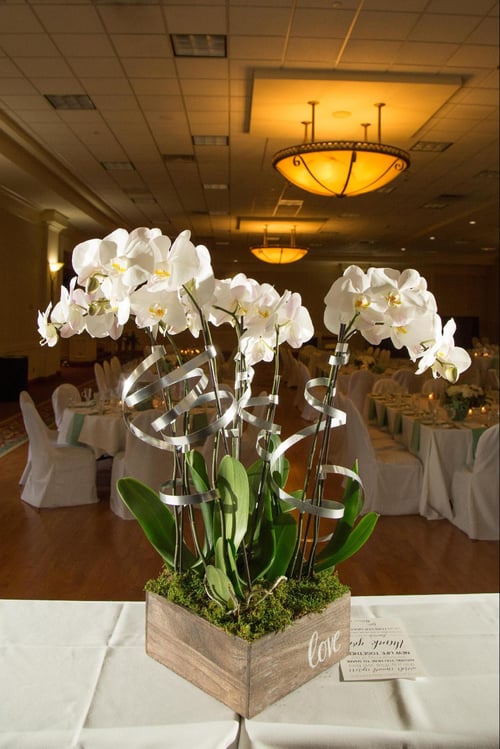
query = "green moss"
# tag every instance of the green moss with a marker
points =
(263, 613)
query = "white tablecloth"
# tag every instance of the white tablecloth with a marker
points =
(105, 433)
(443, 449)
(454, 705)
(75, 675)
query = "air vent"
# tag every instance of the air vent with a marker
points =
(210, 140)
(174, 158)
(70, 101)
(430, 146)
(288, 208)
(118, 166)
(199, 45)
(443, 201)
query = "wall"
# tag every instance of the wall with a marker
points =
(459, 290)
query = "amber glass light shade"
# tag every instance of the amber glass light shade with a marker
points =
(341, 168)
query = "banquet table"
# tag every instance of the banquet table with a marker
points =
(443, 447)
(104, 432)
(75, 674)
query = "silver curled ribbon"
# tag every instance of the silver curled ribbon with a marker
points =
(167, 424)
(324, 508)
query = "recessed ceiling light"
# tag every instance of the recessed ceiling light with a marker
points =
(70, 101)
(199, 45)
(472, 222)
(432, 238)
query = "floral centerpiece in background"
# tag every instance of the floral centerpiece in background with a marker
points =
(238, 547)
(459, 398)
(364, 361)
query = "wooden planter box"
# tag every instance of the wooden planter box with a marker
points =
(246, 676)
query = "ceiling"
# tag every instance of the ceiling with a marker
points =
(132, 160)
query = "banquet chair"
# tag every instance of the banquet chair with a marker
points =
(360, 384)
(116, 368)
(436, 386)
(60, 475)
(492, 380)
(408, 379)
(307, 412)
(109, 375)
(248, 452)
(100, 378)
(63, 396)
(25, 397)
(475, 491)
(392, 477)
(141, 461)
(387, 385)
(384, 356)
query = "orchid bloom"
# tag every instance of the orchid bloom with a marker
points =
(294, 321)
(158, 307)
(46, 329)
(384, 303)
(442, 356)
(346, 299)
(127, 256)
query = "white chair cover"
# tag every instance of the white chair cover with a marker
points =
(116, 368)
(492, 380)
(307, 412)
(388, 385)
(360, 384)
(436, 386)
(60, 475)
(391, 476)
(109, 375)
(408, 379)
(63, 396)
(141, 461)
(248, 452)
(475, 490)
(100, 378)
(25, 397)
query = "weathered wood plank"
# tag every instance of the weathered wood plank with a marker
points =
(246, 676)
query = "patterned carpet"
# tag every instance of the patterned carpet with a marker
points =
(12, 432)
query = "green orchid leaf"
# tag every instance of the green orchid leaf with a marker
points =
(232, 485)
(199, 476)
(356, 539)
(219, 588)
(352, 507)
(285, 536)
(155, 519)
(198, 470)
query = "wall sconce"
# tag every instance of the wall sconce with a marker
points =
(54, 268)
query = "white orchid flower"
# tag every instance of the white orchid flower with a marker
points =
(346, 298)
(47, 330)
(257, 347)
(152, 306)
(223, 307)
(69, 312)
(444, 358)
(293, 321)
(130, 256)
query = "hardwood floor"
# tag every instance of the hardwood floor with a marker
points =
(87, 553)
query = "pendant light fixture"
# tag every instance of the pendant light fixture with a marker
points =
(341, 168)
(279, 254)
